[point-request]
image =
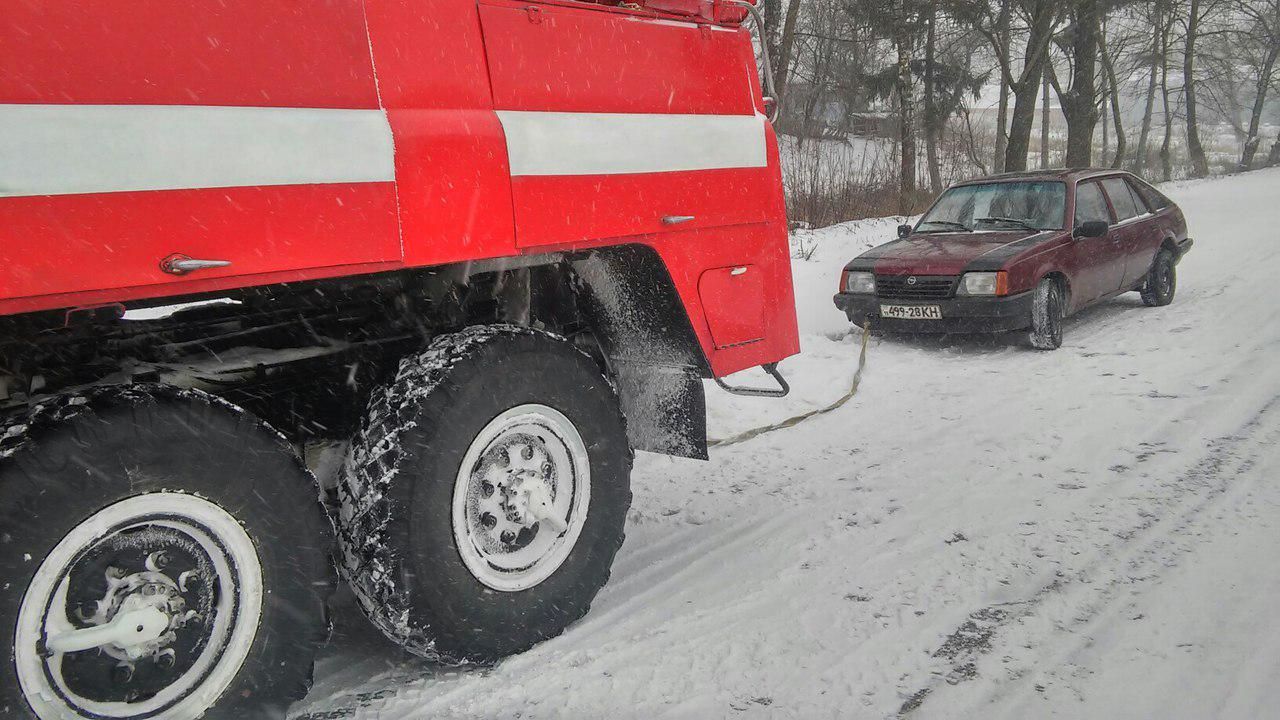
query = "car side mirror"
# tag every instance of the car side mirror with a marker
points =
(904, 230)
(1092, 229)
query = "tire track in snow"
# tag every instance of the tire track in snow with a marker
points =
(1136, 556)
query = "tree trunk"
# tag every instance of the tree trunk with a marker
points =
(1253, 139)
(1166, 160)
(1021, 121)
(1140, 160)
(1199, 163)
(1079, 102)
(1106, 124)
(1045, 121)
(1027, 87)
(906, 126)
(932, 119)
(1002, 115)
(782, 69)
(1113, 93)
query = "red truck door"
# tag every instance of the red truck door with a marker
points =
(619, 123)
(235, 130)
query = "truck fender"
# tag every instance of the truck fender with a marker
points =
(627, 296)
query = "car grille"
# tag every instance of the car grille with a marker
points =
(924, 287)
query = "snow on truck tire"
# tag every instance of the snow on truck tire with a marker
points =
(162, 554)
(484, 500)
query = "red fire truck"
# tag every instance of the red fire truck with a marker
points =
(489, 247)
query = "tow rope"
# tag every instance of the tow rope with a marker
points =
(793, 421)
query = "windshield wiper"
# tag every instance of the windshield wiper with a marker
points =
(1015, 221)
(948, 223)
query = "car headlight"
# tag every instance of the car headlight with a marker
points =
(984, 283)
(863, 283)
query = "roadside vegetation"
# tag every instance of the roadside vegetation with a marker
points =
(885, 103)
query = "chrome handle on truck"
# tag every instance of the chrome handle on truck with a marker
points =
(182, 264)
(676, 219)
(772, 103)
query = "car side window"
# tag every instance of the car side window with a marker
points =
(1121, 199)
(1090, 204)
(1142, 204)
(1155, 199)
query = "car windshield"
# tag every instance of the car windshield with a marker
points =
(998, 206)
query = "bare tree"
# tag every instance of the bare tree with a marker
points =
(1156, 60)
(1002, 115)
(1079, 42)
(1264, 18)
(1199, 162)
(1113, 97)
(1038, 19)
(783, 68)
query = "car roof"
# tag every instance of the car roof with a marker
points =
(1064, 174)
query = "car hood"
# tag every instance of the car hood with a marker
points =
(944, 253)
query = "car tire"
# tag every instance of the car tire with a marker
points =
(1162, 280)
(149, 498)
(430, 522)
(1048, 308)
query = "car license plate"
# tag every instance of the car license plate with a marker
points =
(911, 312)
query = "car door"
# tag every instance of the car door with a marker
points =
(1099, 261)
(1129, 227)
(1143, 238)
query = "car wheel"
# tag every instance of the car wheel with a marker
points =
(1162, 280)
(483, 503)
(1047, 311)
(162, 555)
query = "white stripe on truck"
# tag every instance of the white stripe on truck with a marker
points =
(556, 143)
(77, 149)
(74, 149)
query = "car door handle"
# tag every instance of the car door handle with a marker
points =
(178, 264)
(676, 219)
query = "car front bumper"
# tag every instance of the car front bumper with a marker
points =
(959, 315)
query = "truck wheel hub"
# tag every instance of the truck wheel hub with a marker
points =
(137, 609)
(521, 497)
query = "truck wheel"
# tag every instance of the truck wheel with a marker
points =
(1162, 280)
(1047, 311)
(484, 500)
(162, 555)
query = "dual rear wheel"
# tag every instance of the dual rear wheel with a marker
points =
(164, 555)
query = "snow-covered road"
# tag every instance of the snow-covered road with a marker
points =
(984, 531)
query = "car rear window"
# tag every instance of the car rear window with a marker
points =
(1122, 199)
(1090, 204)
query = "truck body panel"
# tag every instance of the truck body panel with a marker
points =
(301, 141)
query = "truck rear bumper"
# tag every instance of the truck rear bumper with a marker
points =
(959, 315)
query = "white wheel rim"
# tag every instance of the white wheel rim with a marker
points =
(236, 609)
(527, 450)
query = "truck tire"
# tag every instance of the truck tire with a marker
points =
(1162, 280)
(167, 513)
(1047, 311)
(441, 530)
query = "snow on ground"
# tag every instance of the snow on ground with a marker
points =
(983, 531)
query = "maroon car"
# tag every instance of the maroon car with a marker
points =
(1020, 251)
